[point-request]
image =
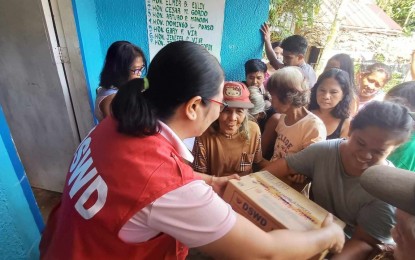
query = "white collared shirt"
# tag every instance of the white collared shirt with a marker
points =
(193, 214)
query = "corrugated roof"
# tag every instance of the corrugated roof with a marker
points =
(359, 15)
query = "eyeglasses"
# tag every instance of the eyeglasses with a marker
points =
(138, 71)
(223, 105)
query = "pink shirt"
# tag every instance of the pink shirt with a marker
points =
(193, 214)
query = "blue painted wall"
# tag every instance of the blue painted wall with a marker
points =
(101, 22)
(20, 219)
(241, 38)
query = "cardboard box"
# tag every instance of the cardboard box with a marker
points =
(272, 204)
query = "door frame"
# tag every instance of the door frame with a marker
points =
(60, 24)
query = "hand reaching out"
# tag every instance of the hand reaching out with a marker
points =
(266, 32)
(219, 183)
(337, 233)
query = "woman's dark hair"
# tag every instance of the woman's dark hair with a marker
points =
(289, 86)
(384, 115)
(403, 94)
(255, 65)
(346, 64)
(117, 65)
(180, 71)
(275, 45)
(342, 109)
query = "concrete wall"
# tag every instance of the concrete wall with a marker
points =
(20, 221)
(101, 22)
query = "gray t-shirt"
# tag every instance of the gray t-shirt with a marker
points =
(340, 193)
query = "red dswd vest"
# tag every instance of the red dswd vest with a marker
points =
(112, 177)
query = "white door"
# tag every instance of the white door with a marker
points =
(45, 103)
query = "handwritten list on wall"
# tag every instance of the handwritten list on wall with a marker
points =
(199, 21)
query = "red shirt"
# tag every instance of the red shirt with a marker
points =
(112, 177)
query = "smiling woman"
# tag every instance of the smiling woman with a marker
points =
(336, 165)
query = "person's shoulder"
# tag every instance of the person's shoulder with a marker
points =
(314, 119)
(307, 67)
(253, 127)
(103, 92)
(209, 133)
(328, 145)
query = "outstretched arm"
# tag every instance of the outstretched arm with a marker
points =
(358, 247)
(218, 183)
(269, 136)
(279, 168)
(246, 241)
(268, 48)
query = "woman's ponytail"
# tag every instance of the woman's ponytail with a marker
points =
(134, 114)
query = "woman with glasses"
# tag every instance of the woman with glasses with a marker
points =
(124, 61)
(233, 143)
(330, 101)
(130, 193)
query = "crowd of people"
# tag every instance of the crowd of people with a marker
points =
(134, 189)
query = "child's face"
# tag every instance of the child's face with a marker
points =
(255, 79)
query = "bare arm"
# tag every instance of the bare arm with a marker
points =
(260, 165)
(358, 247)
(268, 48)
(279, 168)
(246, 241)
(105, 105)
(269, 136)
(344, 133)
(218, 183)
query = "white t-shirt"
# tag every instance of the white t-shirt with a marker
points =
(193, 214)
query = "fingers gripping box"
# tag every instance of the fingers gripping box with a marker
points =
(272, 204)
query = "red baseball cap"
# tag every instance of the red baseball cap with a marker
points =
(236, 95)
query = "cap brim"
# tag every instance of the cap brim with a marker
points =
(392, 185)
(239, 104)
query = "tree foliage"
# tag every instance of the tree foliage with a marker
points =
(401, 11)
(289, 15)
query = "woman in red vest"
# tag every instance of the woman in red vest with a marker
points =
(130, 193)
